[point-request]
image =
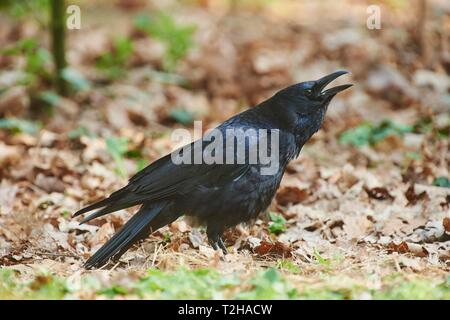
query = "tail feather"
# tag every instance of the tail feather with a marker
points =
(106, 210)
(102, 203)
(146, 220)
(117, 201)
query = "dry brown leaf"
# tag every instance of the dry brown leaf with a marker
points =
(291, 195)
(446, 224)
(414, 197)
(8, 193)
(9, 154)
(276, 249)
(356, 227)
(401, 247)
(102, 235)
(379, 193)
(49, 184)
(196, 238)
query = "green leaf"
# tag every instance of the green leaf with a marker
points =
(113, 291)
(269, 285)
(16, 125)
(75, 79)
(79, 132)
(177, 38)
(287, 265)
(113, 63)
(277, 224)
(443, 182)
(358, 136)
(117, 147)
(369, 134)
(182, 116)
(321, 260)
(167, 78)
(141, 164)
(50, 97)
(195, 284)
(37, 60)
(65, 213)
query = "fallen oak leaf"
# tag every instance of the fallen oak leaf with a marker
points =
(196, 238)
(276, 249)
(9, 154)
(292, 195)
(379, 193)
(446, 224)
(414, 197)
(408, 247)
(103, 234)
(446, 203)
(401, 247)
(417, 249)
(49, 184)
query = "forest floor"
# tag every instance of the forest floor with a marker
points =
(363, 213)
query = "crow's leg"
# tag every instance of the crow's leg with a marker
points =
(223, 246)
(215, 240)
(217, 244)
(213, 244)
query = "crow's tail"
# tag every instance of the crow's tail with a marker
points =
(119, 200)
(149, 218)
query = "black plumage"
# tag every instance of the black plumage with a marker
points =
(218, 196)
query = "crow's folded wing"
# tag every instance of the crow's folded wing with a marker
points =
(164, 178)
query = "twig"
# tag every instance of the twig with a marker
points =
(56, 254)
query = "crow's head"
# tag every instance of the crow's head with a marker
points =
(302, 107)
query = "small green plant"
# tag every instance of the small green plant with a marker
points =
(277, 224)
(75, 79)
(287, 265)
(65, 213)
(37, 9)
(177, 38)
(141, 164)
(79, 132)
(113, 63)
(47, 101)
(42, 286)
(398, 288)
(428, 125)
(36, 60)
(269, 284)
(370, 134)
(15, 125)
(8, 284)
(182, 116)
(117, 148)
(321, 260)
(195, 284)
(113, 291)
(442, 182)
(37, 66)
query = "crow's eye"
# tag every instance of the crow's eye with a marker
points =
(308, 92)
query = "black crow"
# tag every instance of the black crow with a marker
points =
(219, 194)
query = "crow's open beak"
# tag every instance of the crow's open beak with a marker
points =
(323, 82)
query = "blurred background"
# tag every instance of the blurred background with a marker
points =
(133, 63)
(83, 109)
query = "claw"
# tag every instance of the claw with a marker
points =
(214, 245)
(222, 246)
